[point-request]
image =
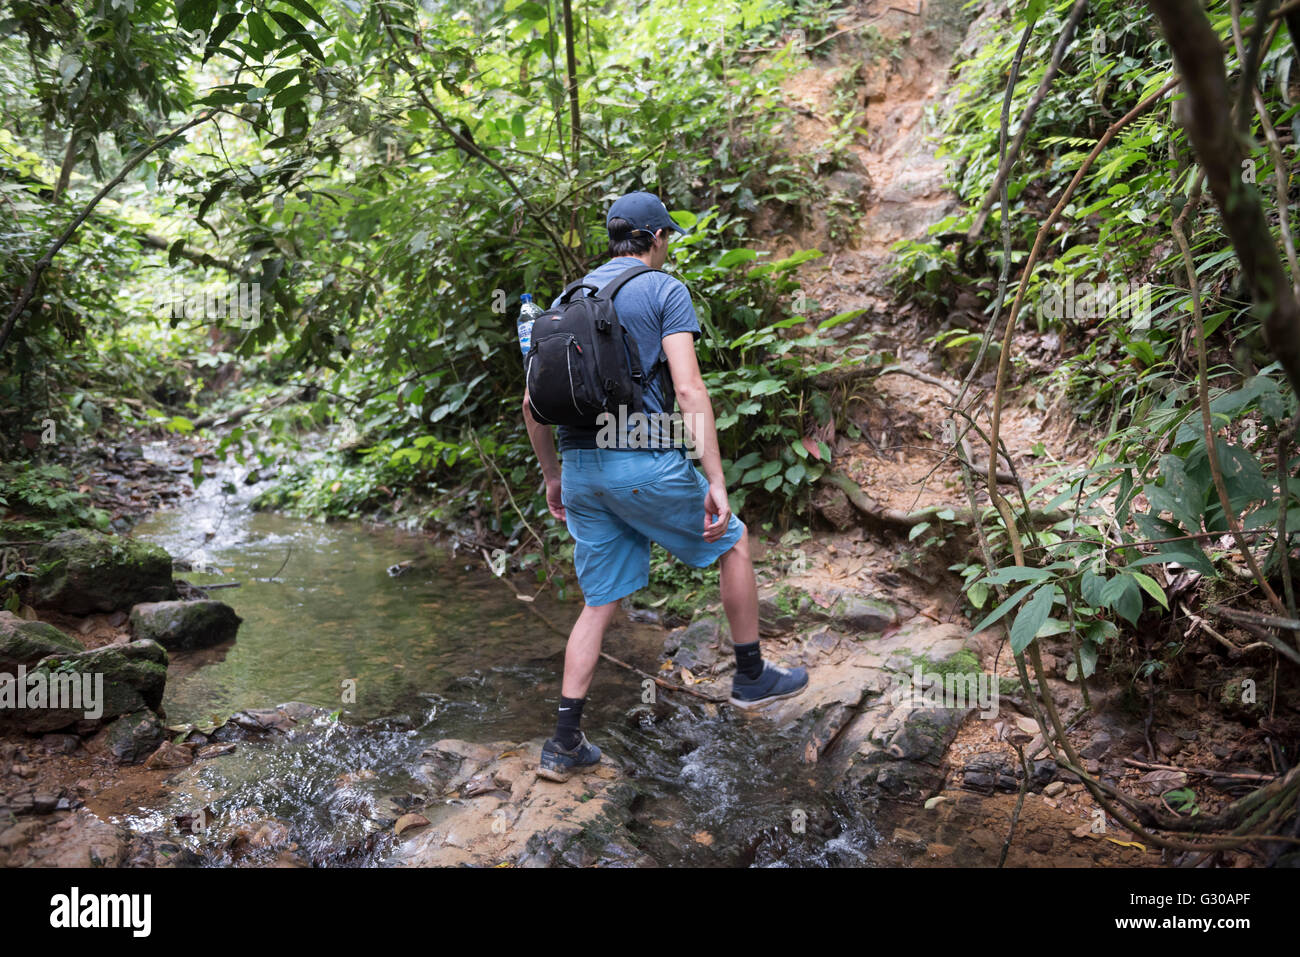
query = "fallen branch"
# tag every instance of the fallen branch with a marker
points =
(1204, 626)
(227, 418)
(666, 685)
(897, 518)
(1262, 632)
(1205, 772)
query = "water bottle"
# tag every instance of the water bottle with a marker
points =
(528, 313)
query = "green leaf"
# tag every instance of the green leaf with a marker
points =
(1032, 617)
(1186, 554)
(996, 614)
(225, 26)
(262, 36)
(307, 10)
(1091, 586)
(735, 256)
(1017, 573)
(289, 95)
(1123, 594)
(1152, 588)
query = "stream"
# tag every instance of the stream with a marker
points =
(443, 650)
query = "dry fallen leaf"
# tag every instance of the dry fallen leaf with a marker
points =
(1158, 782)
(703, 837)
(1140, 847)
(408, 821)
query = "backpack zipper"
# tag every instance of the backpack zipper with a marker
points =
(569, 368)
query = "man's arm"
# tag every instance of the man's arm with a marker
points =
(544, 445)
(697, 411)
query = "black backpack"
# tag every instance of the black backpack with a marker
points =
(582, 362)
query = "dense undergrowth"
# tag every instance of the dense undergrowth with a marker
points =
(391, 176)
(1111, 288)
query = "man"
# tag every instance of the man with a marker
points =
(616, 500)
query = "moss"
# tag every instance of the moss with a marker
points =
(30, 531)
(26, 642)
(84, 572)
(963, 662)
(782, 602)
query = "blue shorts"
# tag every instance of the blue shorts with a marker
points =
(618, 501)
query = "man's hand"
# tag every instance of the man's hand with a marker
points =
(717, 509)
(553, 499)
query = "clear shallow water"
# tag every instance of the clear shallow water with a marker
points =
(445, 650)
(321, 610)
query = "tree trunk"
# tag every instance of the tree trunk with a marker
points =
(1198, 55)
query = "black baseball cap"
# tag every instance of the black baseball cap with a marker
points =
(644, 211)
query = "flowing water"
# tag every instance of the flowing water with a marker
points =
(444, 650)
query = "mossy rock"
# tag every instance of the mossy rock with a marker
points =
(963, 662)
(783, 610)
(788, 609)
(185, 625)
(91, 572)
(133, 737)
(24, 642)
(699, 646)
(110, 681)
(30, 530)
(863, 614)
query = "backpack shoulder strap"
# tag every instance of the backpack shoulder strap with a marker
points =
(611, 288)
(573, 287)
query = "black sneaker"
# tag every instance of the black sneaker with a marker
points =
(772, 685)
(558, 763)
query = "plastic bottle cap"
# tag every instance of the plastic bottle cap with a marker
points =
(526, 297)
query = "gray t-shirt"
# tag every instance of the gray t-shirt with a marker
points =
(650, 306)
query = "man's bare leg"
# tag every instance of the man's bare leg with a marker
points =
(739, 591)
(756, 681)
(583, 650)
(569, 750)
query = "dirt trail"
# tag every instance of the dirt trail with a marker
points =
(889, 68)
